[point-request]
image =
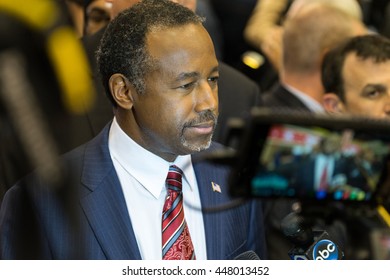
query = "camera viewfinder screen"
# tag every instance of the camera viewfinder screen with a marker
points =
(316, 163)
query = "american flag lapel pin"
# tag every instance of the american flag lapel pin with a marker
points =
(215, 187)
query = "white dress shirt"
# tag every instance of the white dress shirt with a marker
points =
(142, 175)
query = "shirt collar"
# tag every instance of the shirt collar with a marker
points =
(147, 168)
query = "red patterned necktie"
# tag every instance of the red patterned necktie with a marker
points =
(176, 239)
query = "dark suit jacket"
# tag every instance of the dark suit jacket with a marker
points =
(87, 218)
(305, 173)
(237, 93)
(282, 98)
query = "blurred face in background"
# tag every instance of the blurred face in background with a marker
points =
(120, 5)
(98, 15)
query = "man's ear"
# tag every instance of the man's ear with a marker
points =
(122, 91)
(332, 103)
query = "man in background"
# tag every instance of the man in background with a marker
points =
(356, 79)
(313, 30)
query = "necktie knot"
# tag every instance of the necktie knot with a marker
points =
(174, 179)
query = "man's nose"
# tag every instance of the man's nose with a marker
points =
(207, 98)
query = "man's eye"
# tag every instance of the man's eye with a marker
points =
(187, 86)
(214, 79)
(372, 93)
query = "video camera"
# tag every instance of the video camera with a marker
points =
(280, 155)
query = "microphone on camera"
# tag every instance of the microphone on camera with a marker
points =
(248, 255)
(309, 244)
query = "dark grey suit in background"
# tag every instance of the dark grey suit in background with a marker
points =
(282, 98)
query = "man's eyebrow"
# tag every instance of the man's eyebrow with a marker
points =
(186, 75)
(381, 87)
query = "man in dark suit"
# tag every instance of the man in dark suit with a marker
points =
(158, 63)
(237, 93)
(318, 171)
(306, 37)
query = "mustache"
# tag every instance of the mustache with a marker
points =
(204, 116)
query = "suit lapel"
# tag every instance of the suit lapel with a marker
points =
(217, 237)
(211, 222)
(104, 205)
